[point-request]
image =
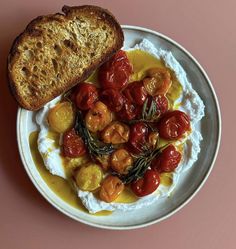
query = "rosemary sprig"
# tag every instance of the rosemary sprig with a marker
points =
(148, 114)
(140, 166)
(94, 146)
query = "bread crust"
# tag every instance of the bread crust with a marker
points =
(103, 14)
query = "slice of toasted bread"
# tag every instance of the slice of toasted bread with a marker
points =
(55, 52)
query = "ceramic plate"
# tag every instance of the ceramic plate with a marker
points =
(190, 181)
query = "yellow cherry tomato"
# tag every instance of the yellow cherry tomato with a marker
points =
(61, 117)
(153, 139)
(158, 81)
(115, 133)
(121, 161)
(89, 177)
(98, 117)
(111, 188)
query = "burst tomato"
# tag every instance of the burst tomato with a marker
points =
(115, 73)
(167, 161)
(73, 144)
(113, 99)
(135, 92)
(85, 96)
(173, 125)
(129, 111)
(146, 185)
(138, 137)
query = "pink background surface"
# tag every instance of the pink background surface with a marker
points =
(207, 30)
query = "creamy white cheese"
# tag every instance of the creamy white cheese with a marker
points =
(190, 103)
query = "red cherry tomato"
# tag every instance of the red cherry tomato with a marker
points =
(128, 111)
(73, 144)
(85, 96)
(113, 99)
(146, 185)
(161, 103)
(138, 137)
(167, 161)
(115, 73)
(173, 125)
(135, 92)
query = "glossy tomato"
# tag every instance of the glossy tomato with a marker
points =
(129, 111)
(115, 73)
(138, 137)
(135, 92)
(73, 144)
(167, 161)
(173, 125)
(85, 96)
(146, 185)
(113, 99)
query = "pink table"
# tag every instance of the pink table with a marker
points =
(207, 30)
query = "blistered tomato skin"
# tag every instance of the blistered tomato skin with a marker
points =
(129, 111)
(73, 144)
(138, 137)
(146, 185)
(173, 125)
(111, 188)
(158, 81)
(116, 72)
(167, 161)
(98, 117)
(135, 92)
(113, 99)
(115, 133)
(85, 96)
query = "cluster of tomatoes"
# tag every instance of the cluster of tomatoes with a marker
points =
(108, 111)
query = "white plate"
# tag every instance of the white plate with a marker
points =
(190, 182)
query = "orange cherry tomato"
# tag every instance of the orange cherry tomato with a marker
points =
(85, 96)
(115, 73)
(146, 185)
(121, 161)
(111, 188)
(98, 117)
(73, 144)
(173, 125)
(167, 161)
(115, 133)
(158, 81)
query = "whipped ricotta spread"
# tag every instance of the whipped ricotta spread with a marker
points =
(191, 104)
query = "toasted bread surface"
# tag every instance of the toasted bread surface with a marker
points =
(55, 52)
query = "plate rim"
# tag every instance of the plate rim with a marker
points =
(187, 200)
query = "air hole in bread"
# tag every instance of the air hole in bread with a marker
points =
(35, 68)
(39, 45)
(55, 65)
(58, 49)
(25, 71)
(43, 72)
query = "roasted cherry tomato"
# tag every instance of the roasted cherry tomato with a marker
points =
(138, 137)
(128, 111)
(161, 103)
(153, 138)
(115, 73)
(146, 185)
(73, 144)
(135, 92)
(158, 81)
(121, 161)
(173, 125)
(115, 133)
(167, 161)
(85, 96)
(113, 99)
(98, 117)
(111, 188)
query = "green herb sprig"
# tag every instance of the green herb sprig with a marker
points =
(94, 146)
(140, 166)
